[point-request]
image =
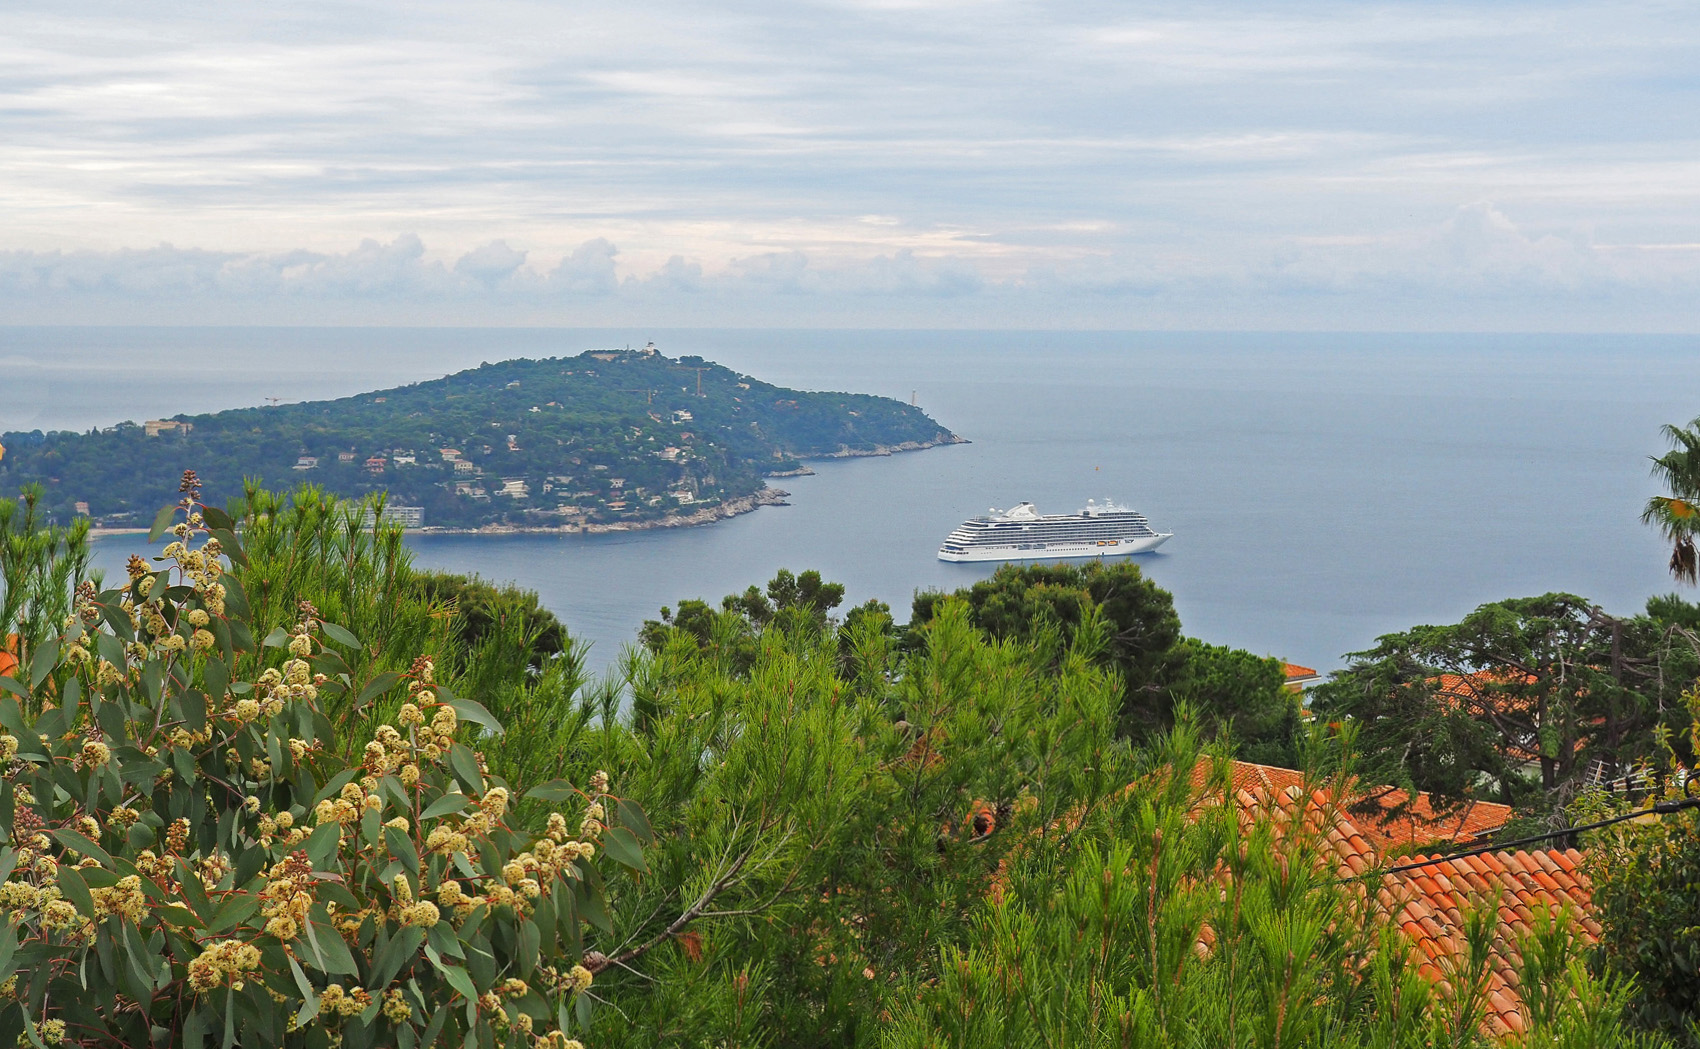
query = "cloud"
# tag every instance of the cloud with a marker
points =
(491, 263)
(589, 270)
(1475, 254)
(1480, 241)
(951, 161)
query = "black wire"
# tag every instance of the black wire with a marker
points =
(1659, 808)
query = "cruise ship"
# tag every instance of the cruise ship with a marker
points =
(1022, 533)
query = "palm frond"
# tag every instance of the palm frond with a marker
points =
(1684, 564)
(1677, 515)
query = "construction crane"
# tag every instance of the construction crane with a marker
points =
(699, 372)
(650, 394)
(274, 400)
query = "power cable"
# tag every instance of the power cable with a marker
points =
(1660, 808)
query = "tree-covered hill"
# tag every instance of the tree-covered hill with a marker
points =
(605, 436)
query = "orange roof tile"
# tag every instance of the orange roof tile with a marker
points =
(1420, 825)
(1429, 903)
(1293, 670)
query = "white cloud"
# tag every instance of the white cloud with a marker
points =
(856, 158)
(491, 263)
(588, 270)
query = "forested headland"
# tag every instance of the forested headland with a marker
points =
(609, 436)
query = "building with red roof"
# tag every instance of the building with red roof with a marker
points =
(1429, 903)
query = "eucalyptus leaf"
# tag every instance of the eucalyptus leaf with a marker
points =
(161, 521)
(622, 847)
(339, 635)
(554, 791)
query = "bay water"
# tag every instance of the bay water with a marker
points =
(1323, 488)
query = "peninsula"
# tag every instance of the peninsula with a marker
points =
(606, 440)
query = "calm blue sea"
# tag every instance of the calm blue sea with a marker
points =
(1323, 489)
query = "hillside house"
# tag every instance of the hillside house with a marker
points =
(1300, 678)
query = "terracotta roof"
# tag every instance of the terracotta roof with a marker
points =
(1293, 670)
(1420, 825)
(1429, 903)
(1488, 691)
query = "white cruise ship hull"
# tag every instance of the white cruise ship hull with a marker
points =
(1053, 551)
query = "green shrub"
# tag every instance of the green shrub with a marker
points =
(187, 854)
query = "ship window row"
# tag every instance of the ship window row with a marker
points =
(1122, 530)
(1123, 523)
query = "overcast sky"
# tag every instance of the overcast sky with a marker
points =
(931, 163)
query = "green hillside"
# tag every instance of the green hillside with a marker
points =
(602, 437)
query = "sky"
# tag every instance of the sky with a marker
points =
(896, 163)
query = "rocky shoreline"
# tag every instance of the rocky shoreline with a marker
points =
(891, 449)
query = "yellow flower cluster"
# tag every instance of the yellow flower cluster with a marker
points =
(159, 868)
(124, 899)
(283, 824)
(285, 901)
(423, 914)
(346, 808)
(21, 896)
(221, 961)
(213, 869)
(453, 898)
(576, 980)
(446, 841)
(201, 567)
(334, 1001)
(396, 1009)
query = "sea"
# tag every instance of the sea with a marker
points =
(1323, 489)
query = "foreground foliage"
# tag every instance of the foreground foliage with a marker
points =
(192, 853)
(1175, 924)
(863, 835)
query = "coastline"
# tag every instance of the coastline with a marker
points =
(765, 496)
(890, 449)
(707, 515)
